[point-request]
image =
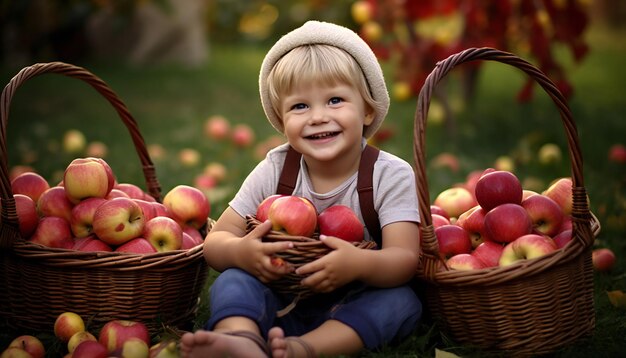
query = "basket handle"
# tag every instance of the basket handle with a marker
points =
(580, 211)
(9, 215)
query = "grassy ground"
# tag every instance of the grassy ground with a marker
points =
(171, 105)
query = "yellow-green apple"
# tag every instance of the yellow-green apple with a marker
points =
(15, 352)
(372, 31)
(133, 191)
(53, 232)
(526, 247)
(617, 153)
(293, 214)
(78, 338)
(217, 127)
(362, 11)
(68, 324)
(30, 184)
(455, 201)
(189, 157)
(452, 240)
(464, 262)
(550, 153)
(27, 216)
(507, 222)
(263, 209)
(87, 177)
(90, 349)
(116, 193)
(81, 221)
(187, 205)
(215, 170)
(504, 163)
(133, 348)
(138, 245)
(603, 259)
(498, 187)
(439, 220)
(342, 222)
(90, 244)
(54, 202)
(165, 349)
(74, 141)
(563, 238)
(488, 253)
(147, 208)
(118, 220)
(30, 344)
(545, 214)
(434, 209)
(242, 135)
(164, 233)
(560, 191)
(116, 332)
(474, 224)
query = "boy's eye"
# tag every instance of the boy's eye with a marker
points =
(298, 106)
(335, 100)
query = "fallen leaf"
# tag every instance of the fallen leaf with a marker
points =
(617, 298)
(443, 354)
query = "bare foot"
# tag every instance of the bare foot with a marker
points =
(216, 344)
(278, 344)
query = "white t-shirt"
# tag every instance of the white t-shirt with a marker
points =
(395, 194)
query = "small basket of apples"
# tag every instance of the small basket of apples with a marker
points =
(94, 244)
(496, 275)
(296, 219)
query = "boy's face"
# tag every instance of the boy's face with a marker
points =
(324, 121)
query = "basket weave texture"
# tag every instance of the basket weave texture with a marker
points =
(533, 306)
(38, 283)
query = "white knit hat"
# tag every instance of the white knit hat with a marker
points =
(316, 32)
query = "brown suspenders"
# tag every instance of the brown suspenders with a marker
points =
(365, 187)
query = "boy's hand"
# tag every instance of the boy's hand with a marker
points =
(258, 258)
(338, 268)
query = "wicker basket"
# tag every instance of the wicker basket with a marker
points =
(533, 306)
(38, 283)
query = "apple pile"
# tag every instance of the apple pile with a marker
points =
(90, 211)
(117, 338)
(490, 220)
(297, 216)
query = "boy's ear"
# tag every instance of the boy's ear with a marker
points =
(369, 118)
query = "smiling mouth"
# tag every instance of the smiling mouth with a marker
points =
(323, 135)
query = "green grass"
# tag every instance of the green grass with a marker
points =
(171, 104)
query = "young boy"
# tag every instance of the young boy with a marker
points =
(323, 88)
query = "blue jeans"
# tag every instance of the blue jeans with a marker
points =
(380, 316)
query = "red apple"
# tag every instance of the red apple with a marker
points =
(545, 214)
(455, 201)
(617, 153)
(603, 259)
(163, 233)
(434, 209)
(217, 127)
(507, 222)
(488, 253)
(526, 193)
(54, 202)
(529, 246)
(293, 214)
(147, 208)
(53, 232)
(263, 209)
(30, 184)
(566, 224)
(87, 177)
(453, 240)
(194, 233)
(118, 220)
(474, 224)
(116, 193)
(188, 206)
(114, 333)
(473, 177)
(81, 221)
(498, 187)
(464, 262)
(188, 242)
(439, 220)
(90, 244)
(561, 192)
(138, 245)
(67, 324)
(563, 238)
(132, 190)
(78, 338)
(30, 344)
(340, 221)
(243, 135)
(27, 216)
(161, 210)
(90, 349)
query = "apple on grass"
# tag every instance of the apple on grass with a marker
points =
(133, 348)
(488, 253)
(474, 224)
(15, 352)
(54, 202)
(116, 332)
(496, 188)
(30, 184)
(90, 244)
(603, 259)
(340, 221)
(464, 262)
(53, 232)
(507, 222)
(187, 205)
(29, 344)
(118, 220)
(81, 221)
(545, 214)
(27, 217)
(87, 177)
(452, 240)
(164, 349)
(138, 245)
(293, 214)
(90, 349)
(164, 233)
(455, 201)
(78, 338)
(68, 324)
(526, 247)
(263, 209)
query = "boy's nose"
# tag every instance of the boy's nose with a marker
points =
(318, 115)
